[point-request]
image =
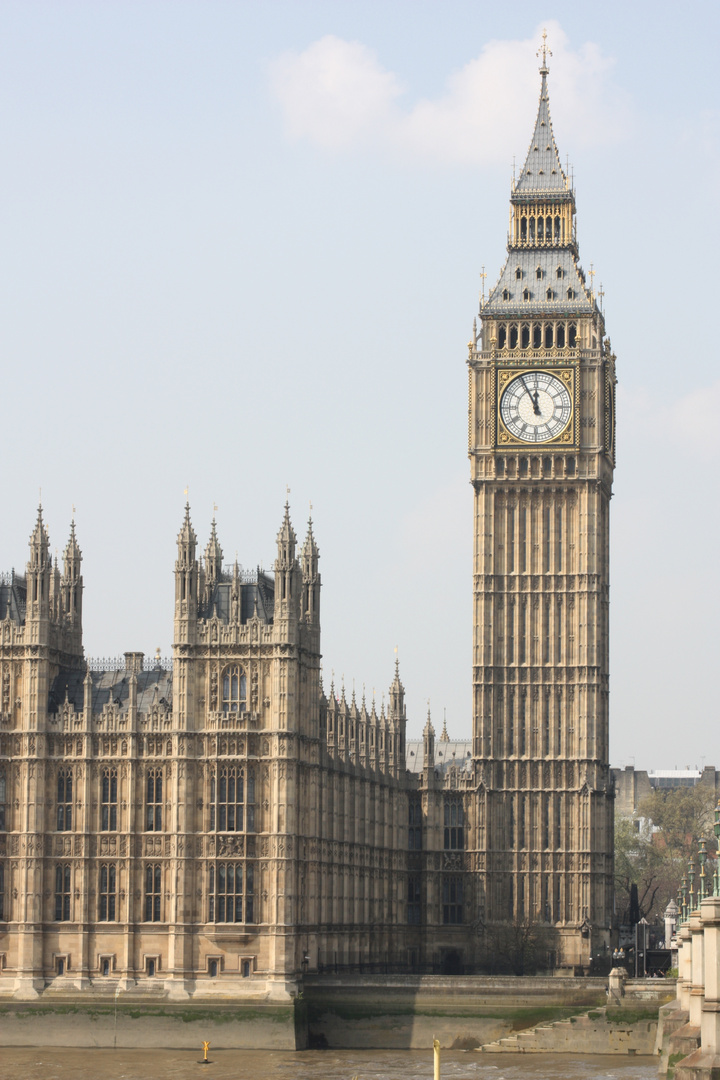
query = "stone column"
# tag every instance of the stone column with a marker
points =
(697, 985)
(710, 1020)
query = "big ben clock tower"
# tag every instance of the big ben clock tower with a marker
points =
(542, 453)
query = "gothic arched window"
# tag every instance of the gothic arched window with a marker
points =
(108, 878)
(231, 893)
(3, 799)
(108, 807)
(454, 836)
(64, 800)
(232, 800)
(153, 805)
(62, 892)
(234, 689)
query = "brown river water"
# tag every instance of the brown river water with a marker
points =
(93, 1064)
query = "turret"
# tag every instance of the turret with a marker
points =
(429, 745)
(72, 583)
(39, 571)
(287, 576)
(213, 558)
(186, 577)
(310, 579)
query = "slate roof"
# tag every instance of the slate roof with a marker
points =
(542, 171)
(451, 752)
(153, 688)
(260, 591)
(528, 260)
(13, 597)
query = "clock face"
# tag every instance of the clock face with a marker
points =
(536, 406)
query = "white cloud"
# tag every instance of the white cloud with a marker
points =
(336, 95)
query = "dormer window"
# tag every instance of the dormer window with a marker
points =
(539, 273)
(506, 294)
(518, 272)
(526, 294)
(571, 294)
(549, 294)
(559, 272)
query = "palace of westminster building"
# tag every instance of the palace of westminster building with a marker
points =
(226, 822)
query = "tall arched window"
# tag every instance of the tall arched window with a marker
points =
(454, 838)
(64, 800)
(232, 800)
(108, 877)
(153, 893)
(108, 808)
(153, 806)
(3, 799)
(234, 685)
(231, 893)
(62, 892)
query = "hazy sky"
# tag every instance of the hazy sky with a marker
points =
(240, 247)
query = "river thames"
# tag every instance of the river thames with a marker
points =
(92, 1064)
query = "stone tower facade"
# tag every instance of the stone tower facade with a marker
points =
(222, 823)
(541, 445)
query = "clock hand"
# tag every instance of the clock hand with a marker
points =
(533, 397)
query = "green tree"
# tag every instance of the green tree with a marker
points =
(653, 850)
(638, 861)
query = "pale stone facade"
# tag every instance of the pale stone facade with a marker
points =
(541, 440)
(222, 824)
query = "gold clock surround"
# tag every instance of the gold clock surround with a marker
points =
(569, 436)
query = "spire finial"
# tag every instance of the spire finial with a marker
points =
(545, 53)
(483, 275)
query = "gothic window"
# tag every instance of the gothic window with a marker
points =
(540, 228)
(153, 806)
(518, 273)
(3, 800)
(523, 466)
(454, 837)
(570, 293)
(560, 336)
(537, 336)
(548, 229)
(532, 228)
(523, 538)
(545, 821)
(232, 800)
(108, 806)
(506, 294)
(549, 336)
(64, 800)
(452, 887)
(2, 892)
(231, 893)
(523, 228)
(107, 892)
(539, 273)
(572, 335)
(526, 296)
(570, 466)
(546, 725)
(513, 337)
(234, 687)
(557, 227)
(62, 892)
(413, 901)
(559, 273)
(502, 337)
(153, 892)
(549, 294)
(525, 333)
(414, 825)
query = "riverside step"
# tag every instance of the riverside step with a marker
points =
(591, 1030)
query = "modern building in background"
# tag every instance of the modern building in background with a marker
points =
(224, 823)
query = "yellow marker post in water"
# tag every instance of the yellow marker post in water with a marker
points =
(206, 1047)
(436, 1051)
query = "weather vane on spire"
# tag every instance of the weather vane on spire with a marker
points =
(544, 50)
